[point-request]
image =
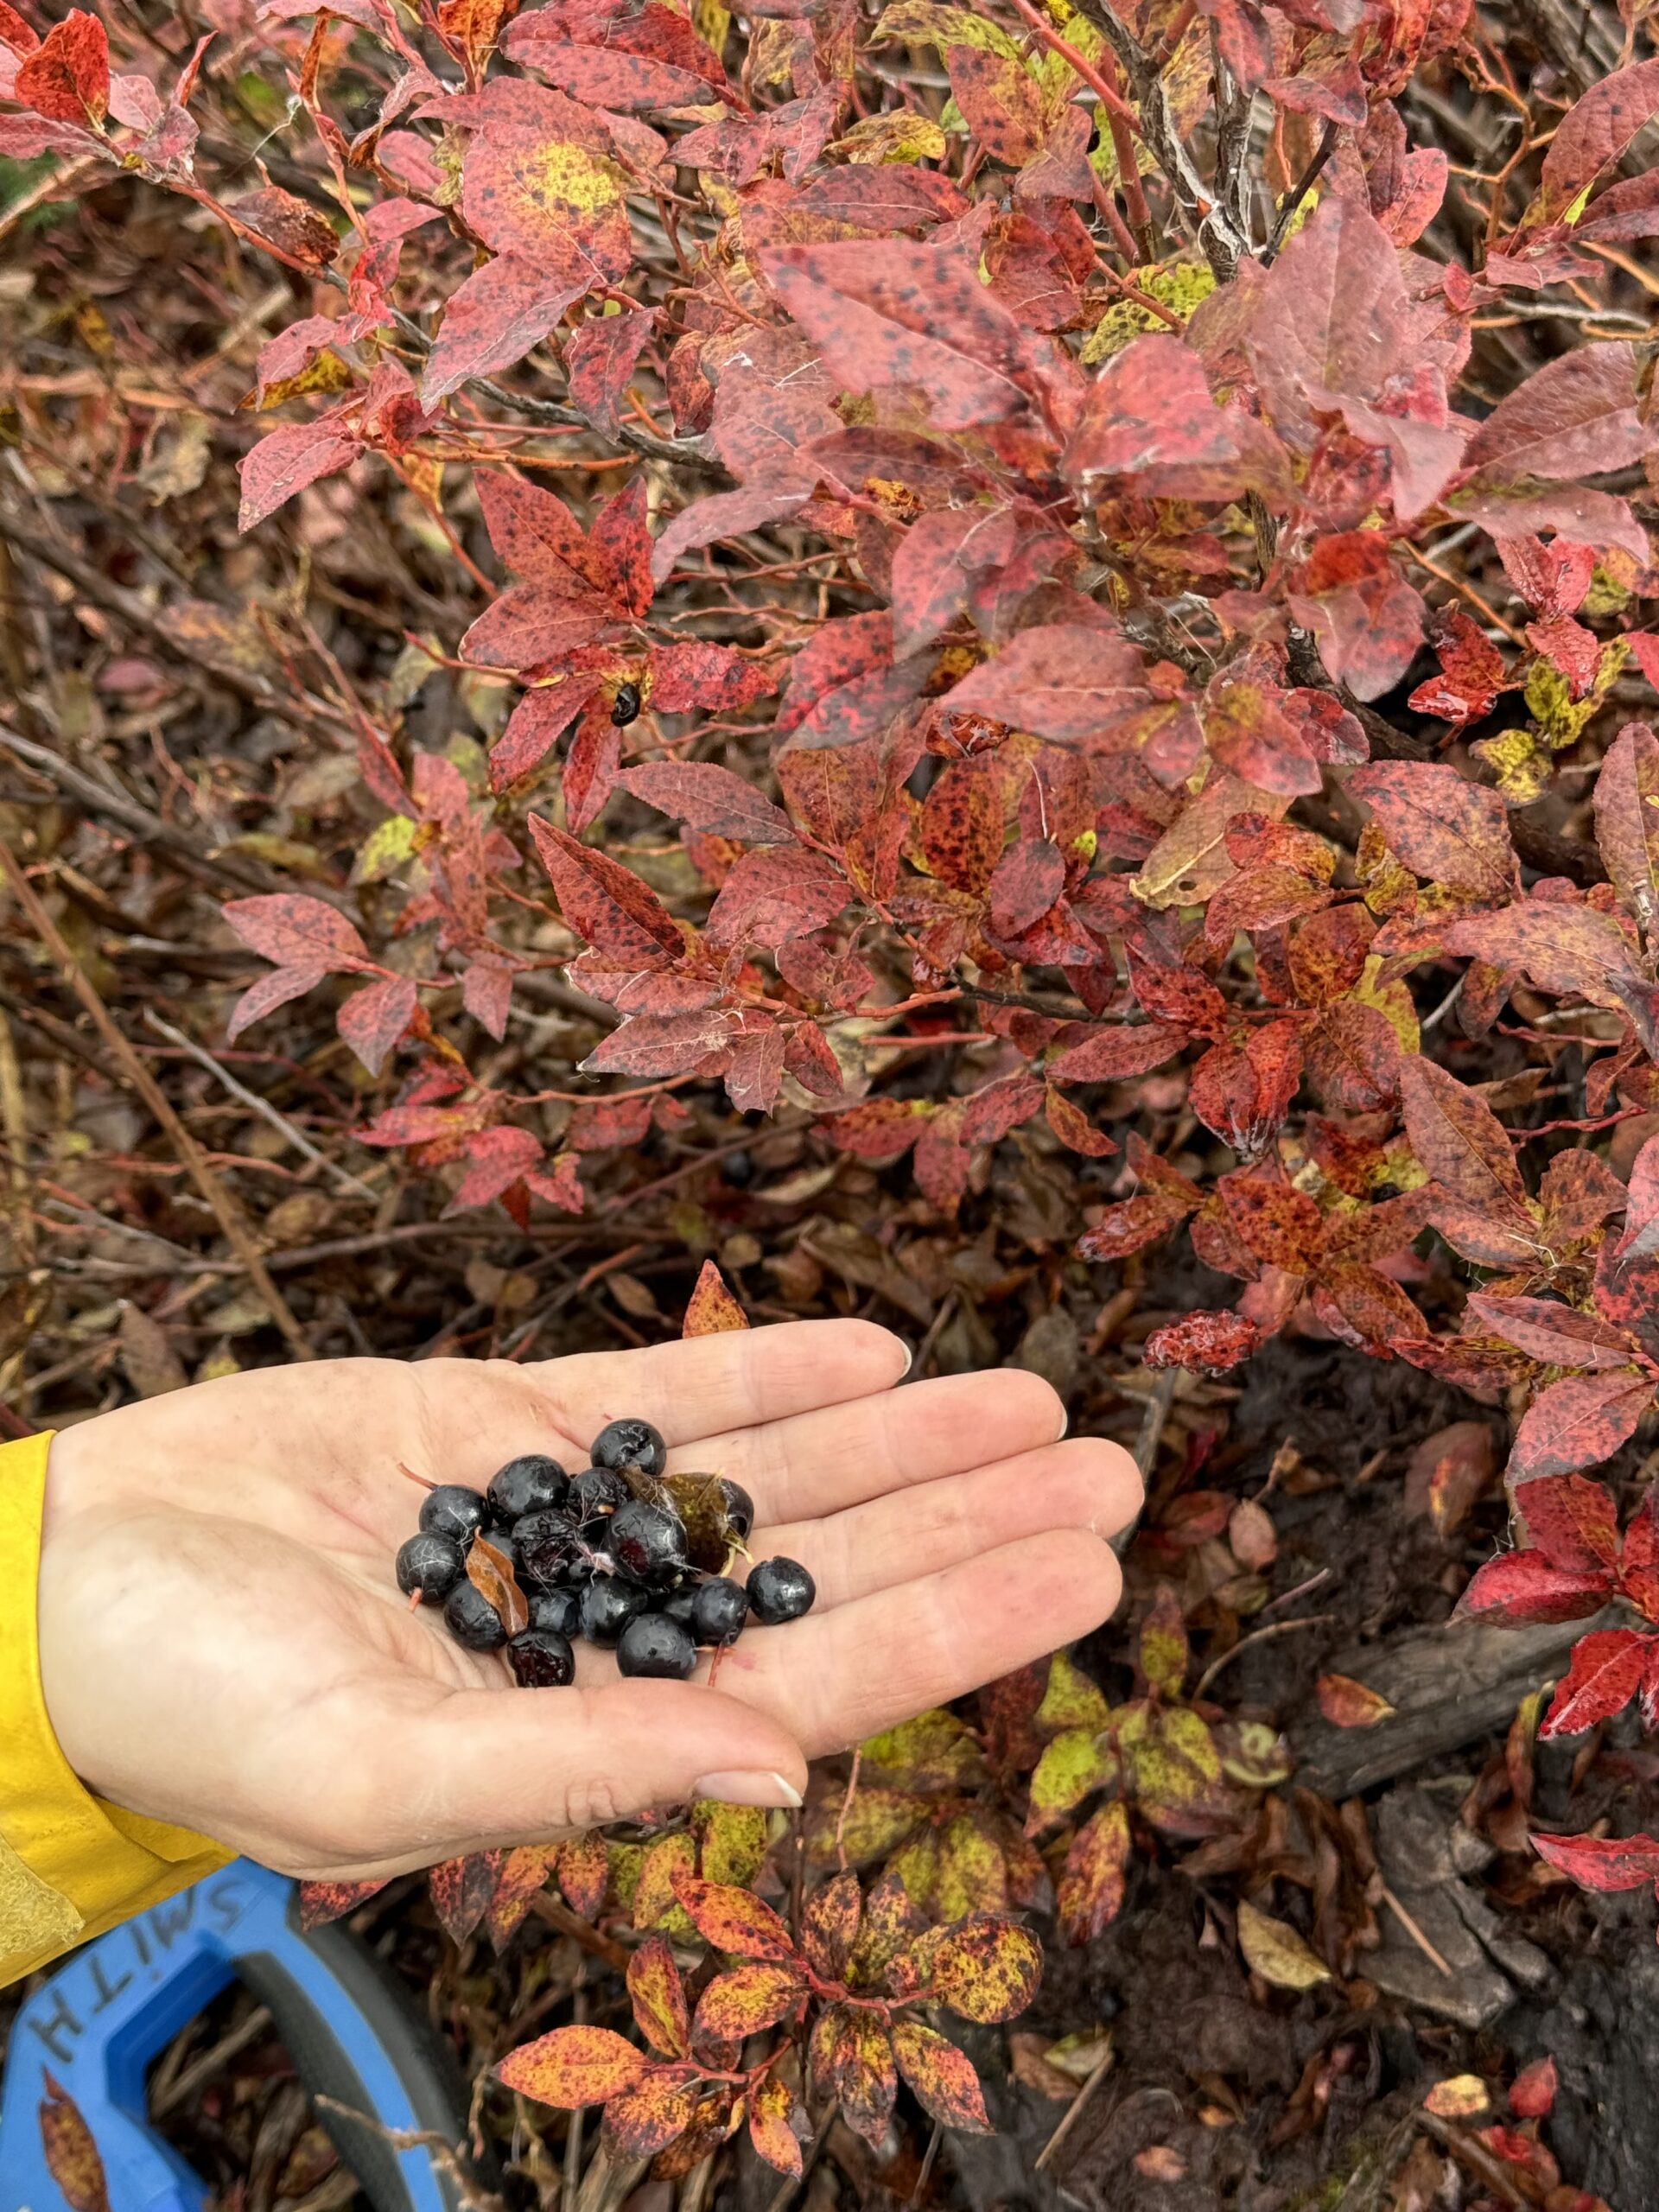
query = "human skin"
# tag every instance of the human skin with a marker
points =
(223, 1644)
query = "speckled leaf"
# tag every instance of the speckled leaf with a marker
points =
(851, 2060)
(1089, 1893)
(772, 2111)
(72, 2155)
(573, 2067)
(941, 2077)
(461, 1890)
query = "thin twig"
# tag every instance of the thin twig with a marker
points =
(1074, 2110)
(1256, 1636)
(1416, 1932)
(226, 1212)
(263, 1107)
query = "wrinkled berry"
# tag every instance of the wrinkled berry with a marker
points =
(472, 1620)
(530, 1484)
(542, 1659)
(608, 1604)
(431, 1564)
(550, 1549)
(630, 1444)
(453, 1510)
(647, 1542)
(719, 1610)
(739, 1508)
(653, 1644)
(558, 1610)
(594, 1494)
(780, 1590)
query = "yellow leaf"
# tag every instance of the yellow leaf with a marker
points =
(1462, 2096)
(1274, 1951)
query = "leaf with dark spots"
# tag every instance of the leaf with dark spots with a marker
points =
(461, 1889)
(573, 2067)
(710, 798)
(65, 76)
(775, 892)
(373, 1020)
(1580, 1422)
(1149, 419)
(1579, 415)
(69, 2147)
(606, 902)
(1061, 681)
(1212, 1343)
(1602, 1862)
(901, 315)
(850, 2056)
(494, 318)
(1444, 829)
(1605, 1673)
(941, 2078)
(1557, 1334)
(1027, 881)
(288, 458)
(1518, 1588)
(1458, 1139)
(600, 357)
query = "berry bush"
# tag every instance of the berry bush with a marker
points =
(1050, 603)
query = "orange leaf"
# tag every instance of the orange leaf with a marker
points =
(985, 1967)
(771, 2109)
(645, 2120)
(658, 1997)
(733, 1920)
(746, 2000)
(322, 1902)
(573, 2066)
(713, 1308)
(524, 1872)
(1347, 1704)
(830, 1921)
(942, 2076)
(584, 1869)
(72, 2156)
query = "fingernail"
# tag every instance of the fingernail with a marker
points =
(910, 1359)
(747, 1788)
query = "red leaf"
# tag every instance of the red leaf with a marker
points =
(1111, 1055)
(1149, 419)
(1627, 822)
(1591, 137)
(710, 798)
(295, 930)
(1089, 1893)
(461, 1889)
(878, 1129)
(271, 990)
(534, 727)
(605, 901)
(494, 318)
(1059, 681)
(1347, 1704)
(1212, 1342)
(836, 655)
(1579, 415)
(1561, 948)
(487, 994)
(1472, 672)
(931, 571)
(1559, 1335)
(1602, 1862)
(286, 460)
(66, 78)
(999, 1107)
(1125, 1228)
(1605, 1673)
(746, 2000)
(1458, 1139)
(1074, 1128)
(1640, 1237)
(373, 1020)
(1367, 619)
(715, 678)
(775, 892)
(851, 2057)
(1571, 1520)
(573, 2066)
(912, 317)
(658, 1997)
(1521, 1588)
(733, 1920)
(712, 1309)
(961, 828)
(590, 766)
(1027, 880)
(1532, 2093)
(1444, 827)
(1578, 1421)
(941, 2078)
(497, 1159)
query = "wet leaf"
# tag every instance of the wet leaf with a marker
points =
(490, 1572)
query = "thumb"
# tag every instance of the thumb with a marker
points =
(525, 1768)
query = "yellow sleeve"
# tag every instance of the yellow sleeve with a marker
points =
(70, 1865)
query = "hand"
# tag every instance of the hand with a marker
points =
(223, 1644)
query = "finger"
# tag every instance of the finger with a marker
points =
(485, 1769)
(480, 1414)
(837, 1677)
(810, 1464)
(1085, 1483)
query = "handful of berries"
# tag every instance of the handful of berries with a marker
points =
(623, 1554)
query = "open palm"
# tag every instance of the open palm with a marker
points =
(223, 1644)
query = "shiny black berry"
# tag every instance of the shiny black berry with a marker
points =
(653, 1644)
(472, 1620)
(453, 1510)
(542, 1659)
(550, 1549)
(625, 707)
(431, 1564)
(595, 1493)
(530, 1484)
(676, 1604)
(780, 1590)
(608, 1604)
(719, 1610)
(558, 1610)
(630, 1444)
(739, 1508)
(648, 1543)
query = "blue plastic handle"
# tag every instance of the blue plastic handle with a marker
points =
(353, 2034)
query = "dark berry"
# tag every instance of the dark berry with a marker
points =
(530, 1484)
(719, 1610)
(677, 1604)
(780, 1590)
(630, 1444)
(595, 1493)
(472, 1620)
(550, 1549)
(739, 1508)
(625, 707)
(503, 1540)
(608, 1604)
(431, 1564)
(653, 1644)
(542, 1659)
(558, 1610)
(453, 1510)
(648, 1543)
